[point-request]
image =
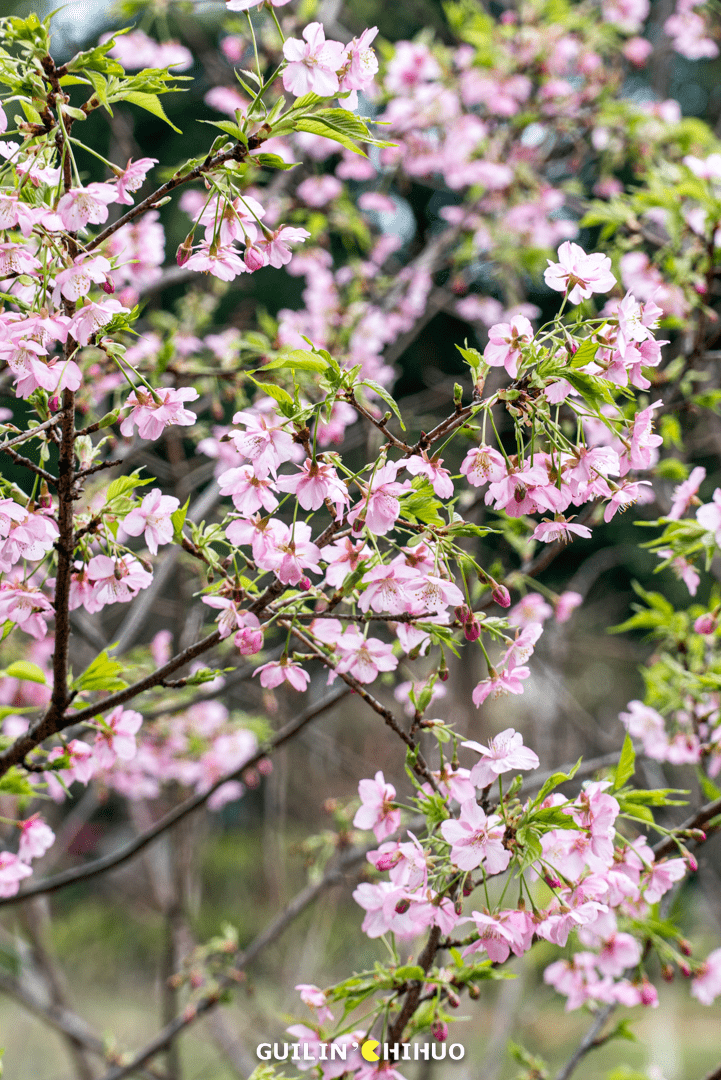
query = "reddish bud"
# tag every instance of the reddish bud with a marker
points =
(265, 766)
(439, 1030)
(474, 993)
(388, 860)
(358, 524)
(552, 882)
(254, 258)
(304, 584)
(402, 906)
(472, 629)
(667, 973)
(685, 946)
(108, 286)
(453, 999)
(705, 624)
(648, 993)
(462, 613)
(502, 596)
(185, 250)
(685, 970)
(468, 887)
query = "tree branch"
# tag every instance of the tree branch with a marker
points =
(130, 850)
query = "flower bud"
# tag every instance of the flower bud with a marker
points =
(439, 1030)
(502, 596)
(358, 524)
(185, 250)
(474, 993)
(108, 286)
(685, 946)
(552, 882)
(685, 970)
(387, 861)
(249, 640)
(254, 258)
(453, 999)
(402, 906)
(468, 887)
(265, 766)
(705, 624)
(667, 973)
(472, 629)
(462, 613)
(304, 584)
(648, 993)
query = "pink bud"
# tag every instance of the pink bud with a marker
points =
(472, 629)
(462, 613)
(705, 624)
(552, 882)
(685, 970)
(358, 524)
(387, 860)
(685, 946)
(439, 1030)
(304, 584)
(402, 906)
(108, 285)
(648, 993)
(185, 250)
(251, 778)
(254, 258)
(265, 766)
(502, 596)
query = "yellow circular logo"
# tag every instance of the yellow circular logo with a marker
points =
(368, 1050)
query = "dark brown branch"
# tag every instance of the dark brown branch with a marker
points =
(117, 858)
(28, 464)
(411, 1000)
(31, 433)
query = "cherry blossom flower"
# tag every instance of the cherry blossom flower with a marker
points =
(315, 482)
(312, 63)
(706, 984)
(116, 736)
(292, 553)
(152, 518)
(376, 811)
(709, 516)
(504, 752)
(579, 273)
(222, 262)
(380, 506)
(78, 279)
(422, 465)
(505, 344)
(559, 530)
(531, 609)
(566, 604)
(494, 938)
(643, 454)
(264, 442)
(343, 557)
(115, 581)
(500, 683)
(314, 998)
(475, 839)
(12, 872)
(387, 589)
(89, 205)
(132, 179)
(483, 464)
(432, 593)
(364, 658)
(275, 247)
(684, 495)
(36, 837)
(93, 317)
(14, 259)
(27, 608)
(283, 670)
(152, 417)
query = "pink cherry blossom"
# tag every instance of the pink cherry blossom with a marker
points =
(494, 938)
(92, 317)
(152, 417)
(566, 604)
(89, 205)
(422, 465)
(706, 985)
(283, 670)
(505, 344)
(12, 872)
(27, 607)
(264, 442)
(78, 279)
(475, 839)
(152, 518)
(132, 179)
(275, 247)
(380, 506)
(504, 752)
(314, 998)
(36, 837)
(500, 683)
(709, 516)
(364, 658)
(559, 529)
(578, 273)
(387, 589)
(684, 495)
(531, 609)
(313, 484)
(115, 581)
(483, 464)
(312, 63)
(376, 811)
(342, 558)
(116, 736)
(222, 262)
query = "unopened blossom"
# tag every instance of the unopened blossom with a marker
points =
(706, 624)
(152, 416)
(283, 670)
(499, 683)
(315, 482)
(706, 984)
(249, 639)
(12, 872)
(275, 247)
(578, 273)
(132, 179)
(475, 839)
(506, 342)
(86, 206)
(504, 752)
(36, 837)
(312, 63)
(377, 811)
(153, 518)
(116, 736)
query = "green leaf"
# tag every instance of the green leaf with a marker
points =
(276, 392)
(273, 161)
(23, 669)
(102, 674)
(16, 783)
(151, 103)
(385, 396)
(409, 973)
(626, 765)
(124, 484)
(178, 521)
(296, 360)
(554, 780)
(584, 354)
